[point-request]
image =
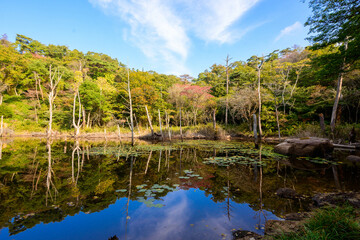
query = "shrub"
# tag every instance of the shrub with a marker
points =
(329, 223)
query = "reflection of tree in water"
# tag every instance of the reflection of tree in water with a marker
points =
(261, 211)
(49, 181)
(80, 158)
(97, 175)
(228, 206)
(129, 194)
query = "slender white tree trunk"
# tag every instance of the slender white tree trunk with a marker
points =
(52, 95)
(131, 110)
(149, 120)
(259, 98)
(2, 126)
(338, 93)
(227, 90)
(160, 124)
(77, 124)
(181, 135)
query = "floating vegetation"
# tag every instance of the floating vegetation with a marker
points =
(227, 161)
(150, 194)
(121, 190)
(190, 174)
(319, 160)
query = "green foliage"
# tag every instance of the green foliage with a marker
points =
(6, 111)
(329, 223)
(298, 83)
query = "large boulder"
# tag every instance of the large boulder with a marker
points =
(334, 199)
(308, 147)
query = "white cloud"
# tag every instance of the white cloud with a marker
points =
(288, 30)
(211, 20)
(162, 28)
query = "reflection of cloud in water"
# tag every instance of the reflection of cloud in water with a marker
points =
(161, 223)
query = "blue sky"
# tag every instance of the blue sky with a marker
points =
(167, 36)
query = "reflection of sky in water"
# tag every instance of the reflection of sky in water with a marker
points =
(186, 215)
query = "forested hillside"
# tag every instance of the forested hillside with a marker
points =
(293, 86)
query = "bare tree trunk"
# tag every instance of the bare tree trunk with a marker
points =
(88, 120)
(162, 136)
(149, 120)
(277, 120)
(255, 130)
(52, 95)
(181, 135)
(322, 123)
(284, 89)
(84, 118)
(259, 98)
(167, 120)
(2, 126)
(50, 118)
(36, 87)
(338, 93)
(77, 124)
(131, 110)
(227, 89)
(137, 124)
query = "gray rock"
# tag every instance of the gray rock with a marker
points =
(311, 147)
(334, 199)
(245, 235)
(298, 216)
(286, 193)
(353, 158)
(278, 227)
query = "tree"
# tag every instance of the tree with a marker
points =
(258, 63)
(227, 88)
(243, 104)
(76, 85)
(336, 22)
(54, 80)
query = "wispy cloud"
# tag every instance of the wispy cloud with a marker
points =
(162, 29)
(288, 30)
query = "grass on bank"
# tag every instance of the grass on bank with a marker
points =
(330, 224)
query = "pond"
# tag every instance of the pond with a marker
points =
(180, 190)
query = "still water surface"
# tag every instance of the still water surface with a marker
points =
(179, 190)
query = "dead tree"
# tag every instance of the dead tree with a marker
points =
(54, 78)
(130, 108)
(167, 120)
(161, 132)
(338, 93)
(258, 68)
(149, 120)
(227, 89)
(77, 124)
